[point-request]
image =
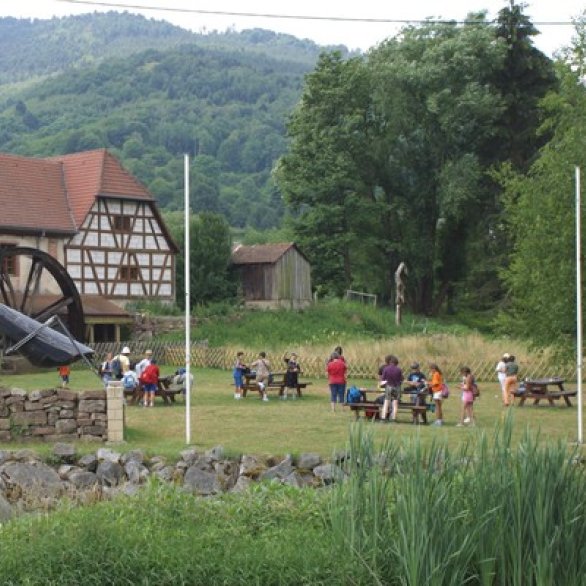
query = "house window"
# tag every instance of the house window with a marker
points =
(9, 263)
(129, 273)
(121, 223)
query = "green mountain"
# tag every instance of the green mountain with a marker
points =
(150, 92)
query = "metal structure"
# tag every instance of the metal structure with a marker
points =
(25, 293)
(38, 342)
(37, 294)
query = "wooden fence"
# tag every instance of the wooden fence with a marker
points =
(203, 356)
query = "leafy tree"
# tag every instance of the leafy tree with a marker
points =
(210, 256)
(523, 80)
(540, 212)
(327, 175)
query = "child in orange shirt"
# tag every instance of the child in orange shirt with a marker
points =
(436, 385)
(64, 372)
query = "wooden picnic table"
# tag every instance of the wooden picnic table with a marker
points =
(278, 383)
(550, 389)
(372, 408)
(164, 390)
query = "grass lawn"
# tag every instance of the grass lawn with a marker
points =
(279, 427)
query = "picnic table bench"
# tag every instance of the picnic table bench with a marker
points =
(372, 408)
(277, 383)
(539, 390)
(165, 389)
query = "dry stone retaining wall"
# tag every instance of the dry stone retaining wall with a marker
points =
(53, 415)
(27, 483)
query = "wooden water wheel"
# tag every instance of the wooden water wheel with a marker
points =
(37, 285)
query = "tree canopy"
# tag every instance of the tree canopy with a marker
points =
(391, 156)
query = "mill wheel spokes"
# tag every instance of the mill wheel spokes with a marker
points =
(36, 284)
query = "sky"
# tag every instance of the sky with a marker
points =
(355, 35)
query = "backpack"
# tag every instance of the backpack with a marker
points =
(353, 395)
(128, 381)
(150, 375)
(475, 390)
(116, 368)
(445, 391)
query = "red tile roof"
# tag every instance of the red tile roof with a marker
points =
(260, 253)
(55, 194)
(97, 173)
(32, 196)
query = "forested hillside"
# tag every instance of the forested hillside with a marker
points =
(220, 95)
(32, 48)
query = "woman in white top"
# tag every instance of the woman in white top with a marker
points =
(500, 373)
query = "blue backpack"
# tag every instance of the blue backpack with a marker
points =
(353, 395)
(128, 381)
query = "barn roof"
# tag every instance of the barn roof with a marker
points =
(261, 253)
(55, 194)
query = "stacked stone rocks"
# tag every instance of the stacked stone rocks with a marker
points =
(27, 483)
(52, 415)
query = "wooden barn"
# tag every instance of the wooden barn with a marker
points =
(273, 275)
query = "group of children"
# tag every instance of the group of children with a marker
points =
(263, 375)
(144, 374)
(390, 380)
(419, 387)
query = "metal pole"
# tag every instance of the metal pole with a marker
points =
(579, 304)
(187, 310)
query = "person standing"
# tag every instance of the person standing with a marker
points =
(106, 370)
(139, 369)
(150, 382)
(121, 363)
(64, 372)
(263, 368)
(436, 386)
(468, 395)
(238, 374)
(511, 371)
(336, 369)
(140, 366)
(501, 374)
(291, 375)
(392, 378)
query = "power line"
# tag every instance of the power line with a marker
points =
(299, 16)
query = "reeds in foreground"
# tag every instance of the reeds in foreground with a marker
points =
(490, 513)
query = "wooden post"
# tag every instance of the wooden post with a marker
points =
(400, 291)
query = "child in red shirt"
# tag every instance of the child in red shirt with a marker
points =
(150, 382)
(64, 372)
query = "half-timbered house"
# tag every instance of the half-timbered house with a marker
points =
(99, 222)
(273, 275)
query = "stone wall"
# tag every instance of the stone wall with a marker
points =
(27, 483)
(52, 415)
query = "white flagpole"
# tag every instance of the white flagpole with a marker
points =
(579, 303)
(187, 310)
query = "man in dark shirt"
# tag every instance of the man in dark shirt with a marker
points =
(391, 377)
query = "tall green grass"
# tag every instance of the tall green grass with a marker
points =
(492, 513)
(271, 535)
